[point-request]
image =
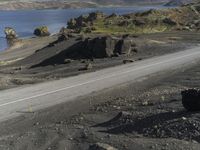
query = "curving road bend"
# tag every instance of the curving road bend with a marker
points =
(47, 94)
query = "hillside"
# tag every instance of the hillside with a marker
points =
(183, 18)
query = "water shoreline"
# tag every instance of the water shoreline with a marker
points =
(25, 27)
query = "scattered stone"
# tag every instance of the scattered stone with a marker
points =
(88, 66)
(184, 118)
(108, 46)
(145, 103)
(191, 99)
(101, 146)
(67, 61)
(116, 55)
(128, 61)
(71, 139)
(42, 31)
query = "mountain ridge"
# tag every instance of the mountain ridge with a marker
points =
(62, 4)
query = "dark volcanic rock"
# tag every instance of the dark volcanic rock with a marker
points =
(191, 99)
(169, 21)
(101, 46)
(89, 48)
(108, 46)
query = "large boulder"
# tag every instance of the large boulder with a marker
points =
(10, 33)
(42, 31)
(125, 46)
(108, 46)
(90, 48)
(191, 99)
(101, 46)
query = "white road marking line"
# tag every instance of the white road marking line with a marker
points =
(92, 81)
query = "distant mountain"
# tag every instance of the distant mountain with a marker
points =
(62, 4)
(177, 2)
(129, 1)
(140, 1)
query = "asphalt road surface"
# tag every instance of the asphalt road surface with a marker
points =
(38, 96)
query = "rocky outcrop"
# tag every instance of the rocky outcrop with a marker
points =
(10, 33)
(90, 48)
(101, 47)
(84, 21)
(191, 99)
(108, 46)
(42, 31)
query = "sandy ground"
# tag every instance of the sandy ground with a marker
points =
(18, 69)
(144, 115)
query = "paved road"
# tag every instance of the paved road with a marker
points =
(42, 95)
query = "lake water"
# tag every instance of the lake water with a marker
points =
(25, 21)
